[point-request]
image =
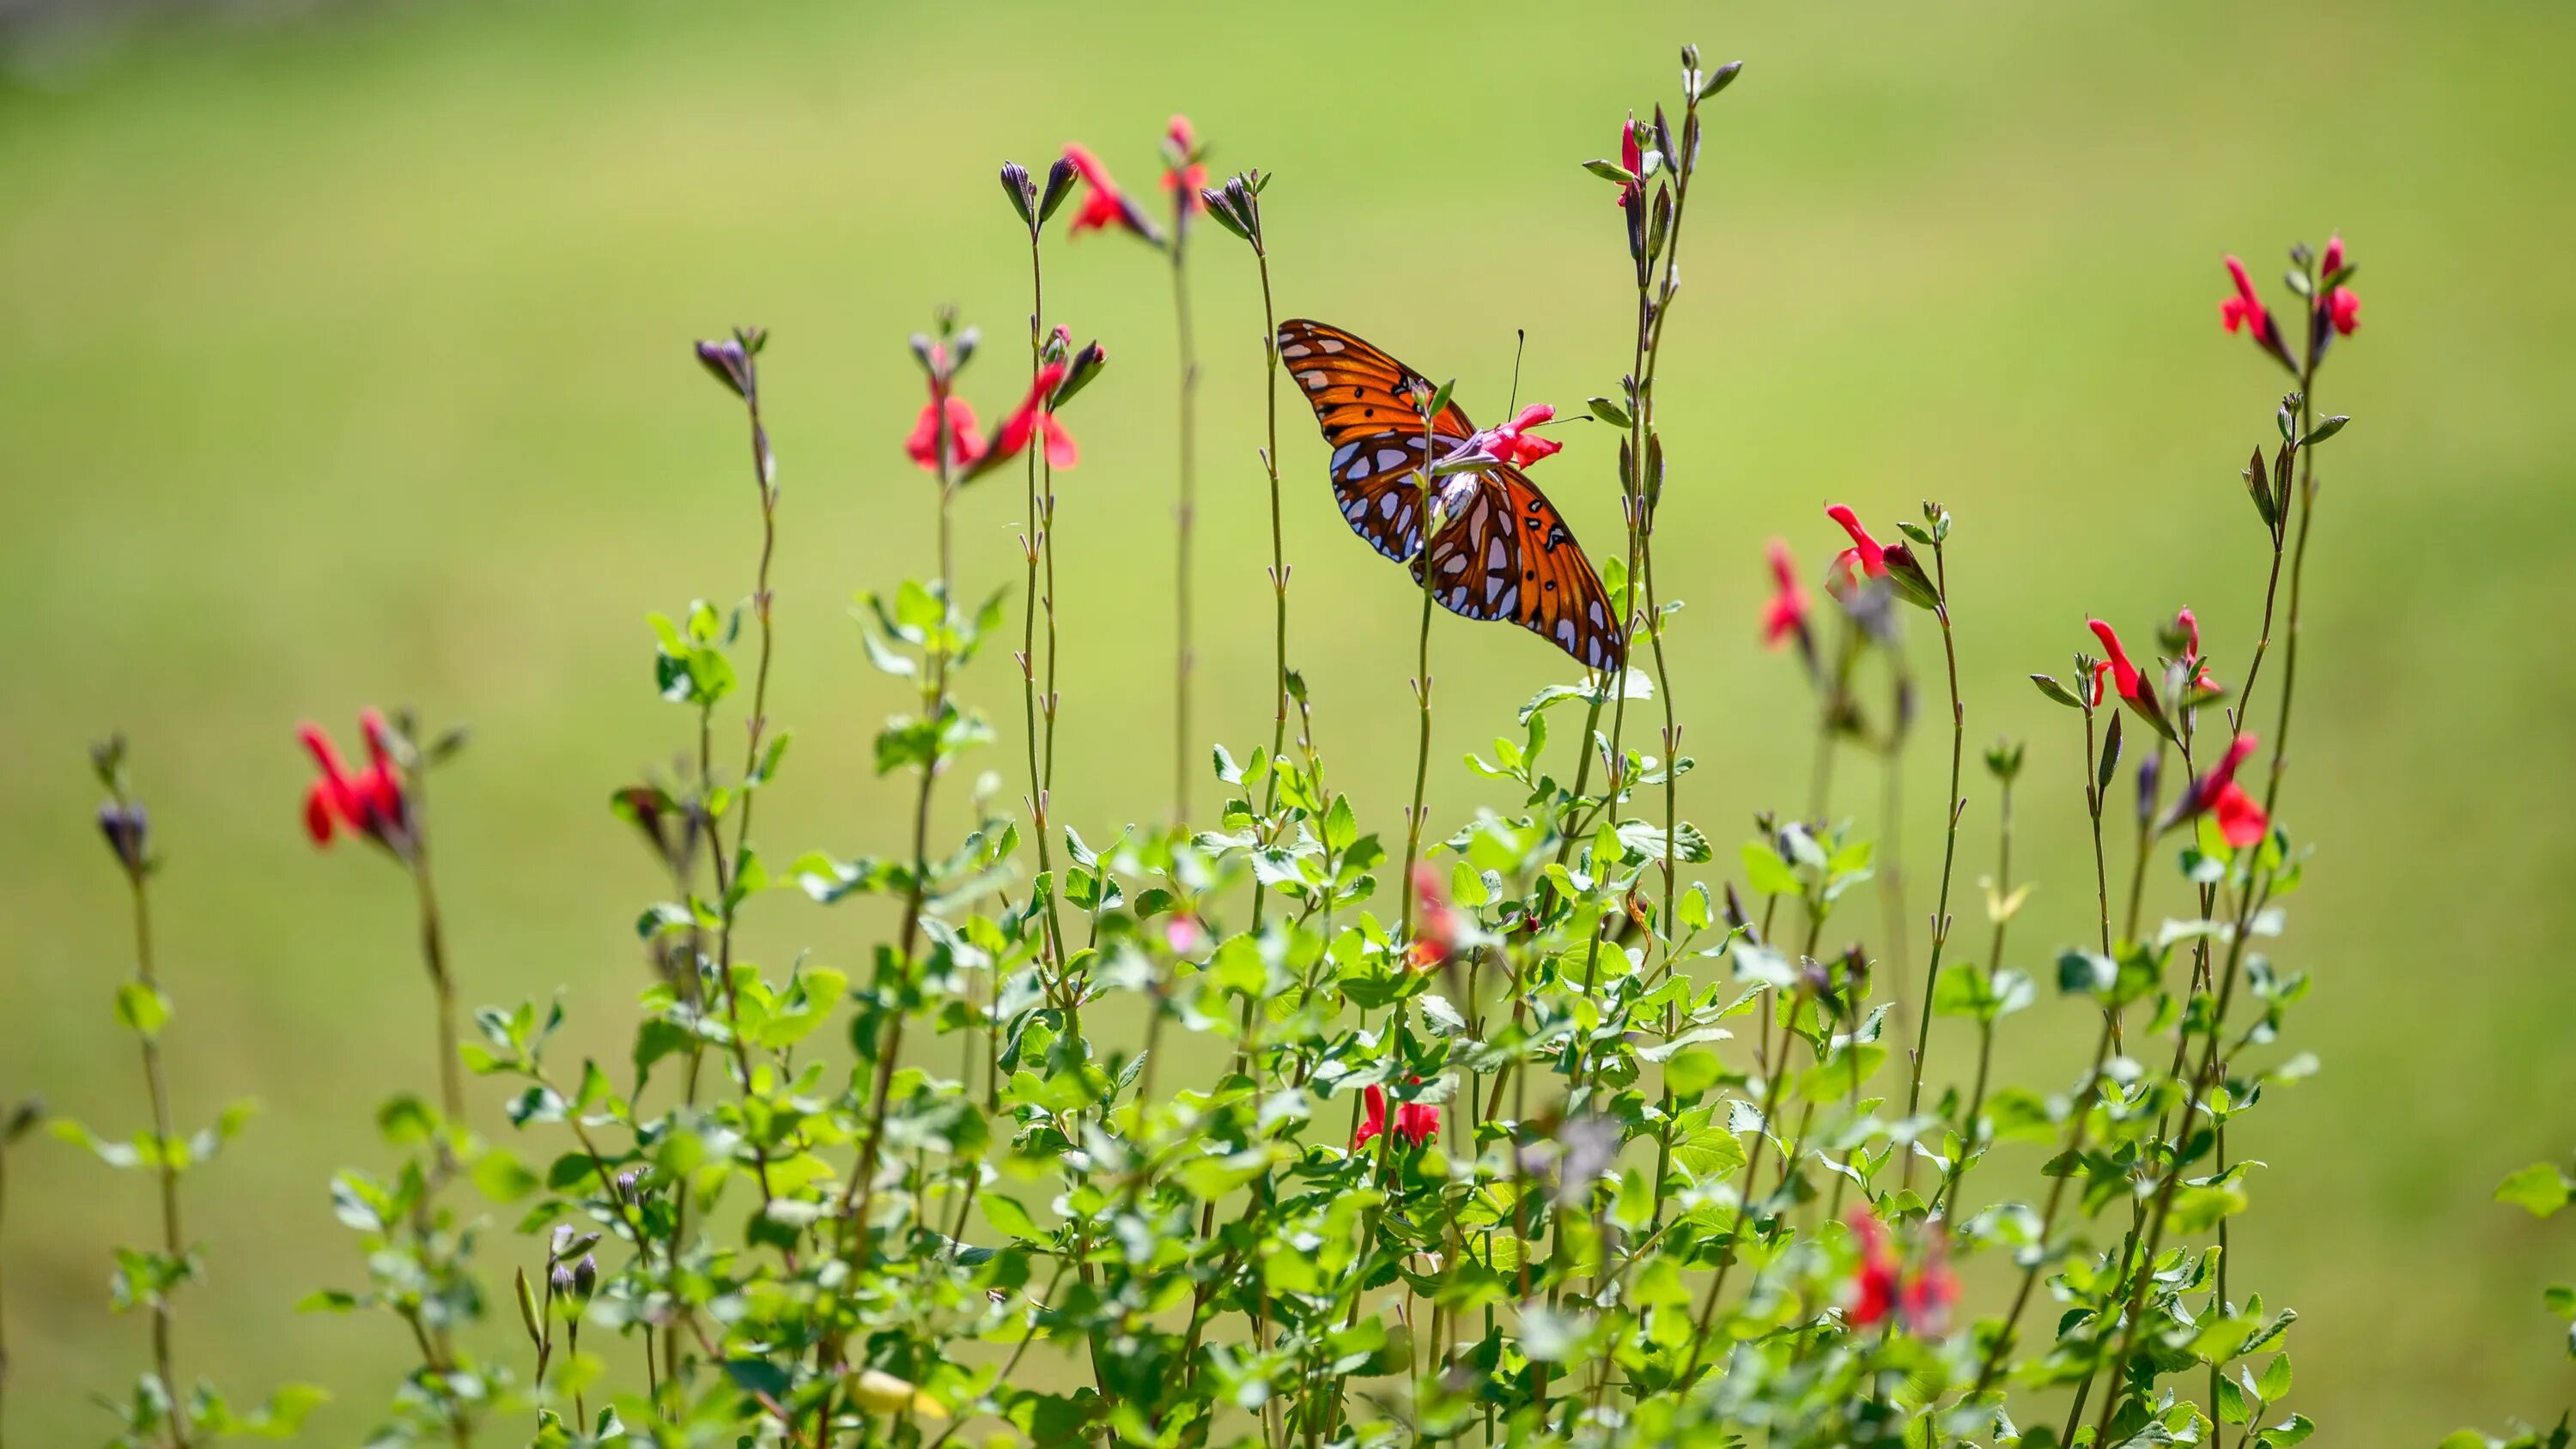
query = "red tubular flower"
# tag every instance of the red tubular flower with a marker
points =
(1786, 617)
(1864, 559)
(2189, 628)
(368, 803)
(1415, 1122)
(1182, 173)
(2100, 669)
(1632, 159)
(2133, 687)
(2241, 822)
(1106, 206)
(1032, 418)
(2123, 673)
(1513, 443)
(1435, 935)
(965, 445)
(2245, 309)
(2342, 304)
(1928, 1295)
(1874, 1282)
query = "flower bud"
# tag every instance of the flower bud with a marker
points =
(585, 1278)
(730, 361)
(528, 1317)
(128, 831)
(1022, 192)
(1059, 185)
(1078, 374)
(1908, 579)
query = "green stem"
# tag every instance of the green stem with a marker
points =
(1949, 849)
(1186, 517)
(173, 1240)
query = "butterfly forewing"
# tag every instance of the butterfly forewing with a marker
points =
(1356, 390)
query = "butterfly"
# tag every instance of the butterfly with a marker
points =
(1504, 552)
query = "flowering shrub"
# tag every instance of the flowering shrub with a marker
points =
(1566, 1127)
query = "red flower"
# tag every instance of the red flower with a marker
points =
(1032, 418)
(1787, 614)
(1415, 1122)
(1106, 206)
(1435, 935)
(2343, 305)
(1925, 1303)
(2245, 309)
(1632, 159)
(2100, 668)
(368, 803)
(2189, 628)
(1875, 1279)
(965, 445)
(1182, 173)
(1864, 559)
(2124, 673)
(1880, 1286)
(1512, 443)
(2241, 822)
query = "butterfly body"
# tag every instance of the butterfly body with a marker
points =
(1502, 552)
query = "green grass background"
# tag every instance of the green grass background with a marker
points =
(346, 362)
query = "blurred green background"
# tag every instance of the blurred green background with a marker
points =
(347, 363)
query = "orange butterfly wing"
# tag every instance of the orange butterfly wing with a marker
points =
(1507, 554)
(1356, 390)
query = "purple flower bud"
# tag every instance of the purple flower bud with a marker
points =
(730, 361)
(128, 832)
(1022, 192)
(585, 1278)
(1059, 184)
(2148, 769)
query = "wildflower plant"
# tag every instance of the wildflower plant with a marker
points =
(1559, 1124)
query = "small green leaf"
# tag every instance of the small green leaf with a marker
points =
(2540, 1188)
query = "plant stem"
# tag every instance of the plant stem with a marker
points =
(1186, 516)
(4, 1304)
(1422, 696)
(1986, 1029)
(1039, 543)
(2080, 1114)
(1278, 556)
(1949, 847)
(157, 1085)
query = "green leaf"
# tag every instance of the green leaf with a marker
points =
(141, 1009)
(1009, 1218)
(501, 1177)
(2540, 1188)
(1766, 873)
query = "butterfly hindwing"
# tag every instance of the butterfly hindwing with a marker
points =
(1508, 555)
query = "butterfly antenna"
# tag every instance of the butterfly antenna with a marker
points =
(1518, 348)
